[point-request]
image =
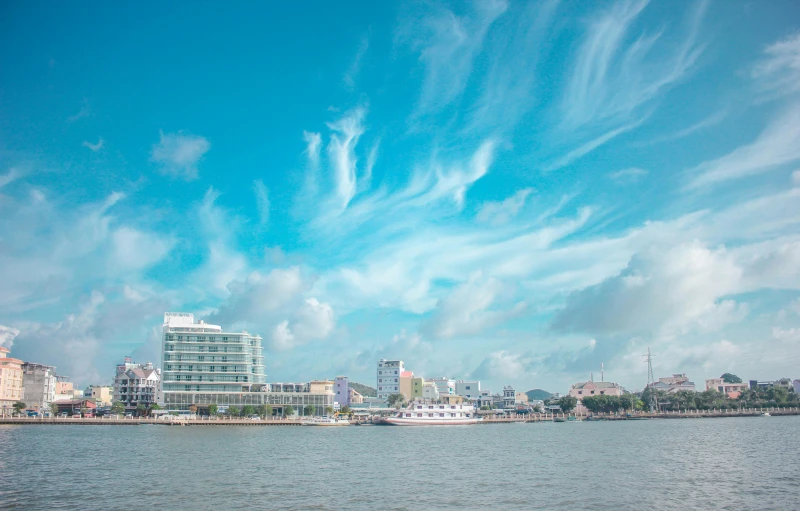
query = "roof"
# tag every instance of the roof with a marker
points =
(138, 372)
(597, 384)
(406, 374)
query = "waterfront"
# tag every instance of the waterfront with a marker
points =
(735, 463)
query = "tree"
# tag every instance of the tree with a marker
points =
(248, 410)
(261, 411)
(117, 407)
(268, 411)
(628, 401)
(233, 411)
(141, 409)
(345, 410)
(328, 410)
(213, 409)
(485, 407)
(309, 410)
(54, 408)
(288, 410)
(19, 406)
(395, 400)
(568, 403)
(154, 406)
(730, 378)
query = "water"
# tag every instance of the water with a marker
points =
(721, 464)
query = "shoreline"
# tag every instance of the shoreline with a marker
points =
(697, 414)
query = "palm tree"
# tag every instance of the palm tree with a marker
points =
(328, 410)
(19, 406)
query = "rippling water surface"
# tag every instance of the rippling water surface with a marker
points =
(730, 464)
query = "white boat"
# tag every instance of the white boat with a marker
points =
(326, 421)
(433, 414)
(766, 414)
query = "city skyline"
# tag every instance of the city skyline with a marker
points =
(507, 192)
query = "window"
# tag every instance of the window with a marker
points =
(602, 391)
(592, 392)
(580, 392)
(467, 387)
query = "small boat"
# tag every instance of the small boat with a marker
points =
(559, 419)
(766, 414)
(326, 421)
(572, 418)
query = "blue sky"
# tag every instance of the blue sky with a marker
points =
(516, 192)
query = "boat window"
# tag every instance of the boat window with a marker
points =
(419, 415)
(408, 415)
(430, 415)
(441, 415)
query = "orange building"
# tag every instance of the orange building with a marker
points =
(10, 381)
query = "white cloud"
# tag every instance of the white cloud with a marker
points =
(629, 175)
(796, 177)
(341, 149)
(355, 67)
(468, 309)
(94, 147)
(7, 335)
(12, 175)
(659, 289)
(262, 201)
(178, 154)
(611, 81)
(501, 212)
(777, 145)
(85, 111)
(778, 72)
(501, 366)
(137, 250)
(313, 143)
(313, 321)
(447, 48)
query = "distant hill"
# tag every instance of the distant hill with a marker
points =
(364, 390)
(538, 395)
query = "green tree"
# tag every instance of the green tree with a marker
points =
(154, 406)
(213, 409)
(268, 411)
(117, 407)
(288, 410)
(730, 378)
(485, 407)
(19, 406)
(567, 403)
(261, 411)
(248, 410)
(141, 409)
(345, 410)
(395, 400)
(309, 410)
(54, 409)
(328, 410)
(628, 401)
(233, 411)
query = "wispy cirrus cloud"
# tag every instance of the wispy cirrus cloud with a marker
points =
(778, 72)
(94, 147)
(177, 154)
(262, 201)
(501, 212)
(778, 144)
(355, 67)
(629, 175)
(85, 111)
(447, 45)
(12, 175)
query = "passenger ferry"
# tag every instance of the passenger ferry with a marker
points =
(433, 414)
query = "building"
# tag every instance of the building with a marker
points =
(103, 395)
(406, 378)
(341, 390)
(594, 388)
(416, 386)
(468, 389)
(388, 377)
(136, 384)
(674, 383)
(429, 391)
(509, 397)
(63, 386)
(796, 385)
(355, 397)
(783, 382)
(202, 364)
(39, 385)
(11, 387)
(74, 406)
(732, 390)
(444, 385)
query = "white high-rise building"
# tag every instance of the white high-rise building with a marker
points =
(388, 377)
(203, 365)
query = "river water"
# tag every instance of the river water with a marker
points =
(720, 464)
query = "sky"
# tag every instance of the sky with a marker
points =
(516, 192)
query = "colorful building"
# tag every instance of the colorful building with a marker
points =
(732, 390)
(11, 388)
(388, 377)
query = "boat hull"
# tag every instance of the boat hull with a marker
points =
(402, 421)
(331, 425)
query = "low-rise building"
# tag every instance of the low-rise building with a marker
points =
(103, 395)
(39, 385)
(341, 390)
(11, 387)
(796, 385)
(674, 383)
(783, 382)
(74, 406)
(416, 386)
(355, 397)
(444, 385)
(509, 397)
(429, 391)
(732, 390)
(136, 384)
(406, 378)
(468, 389)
